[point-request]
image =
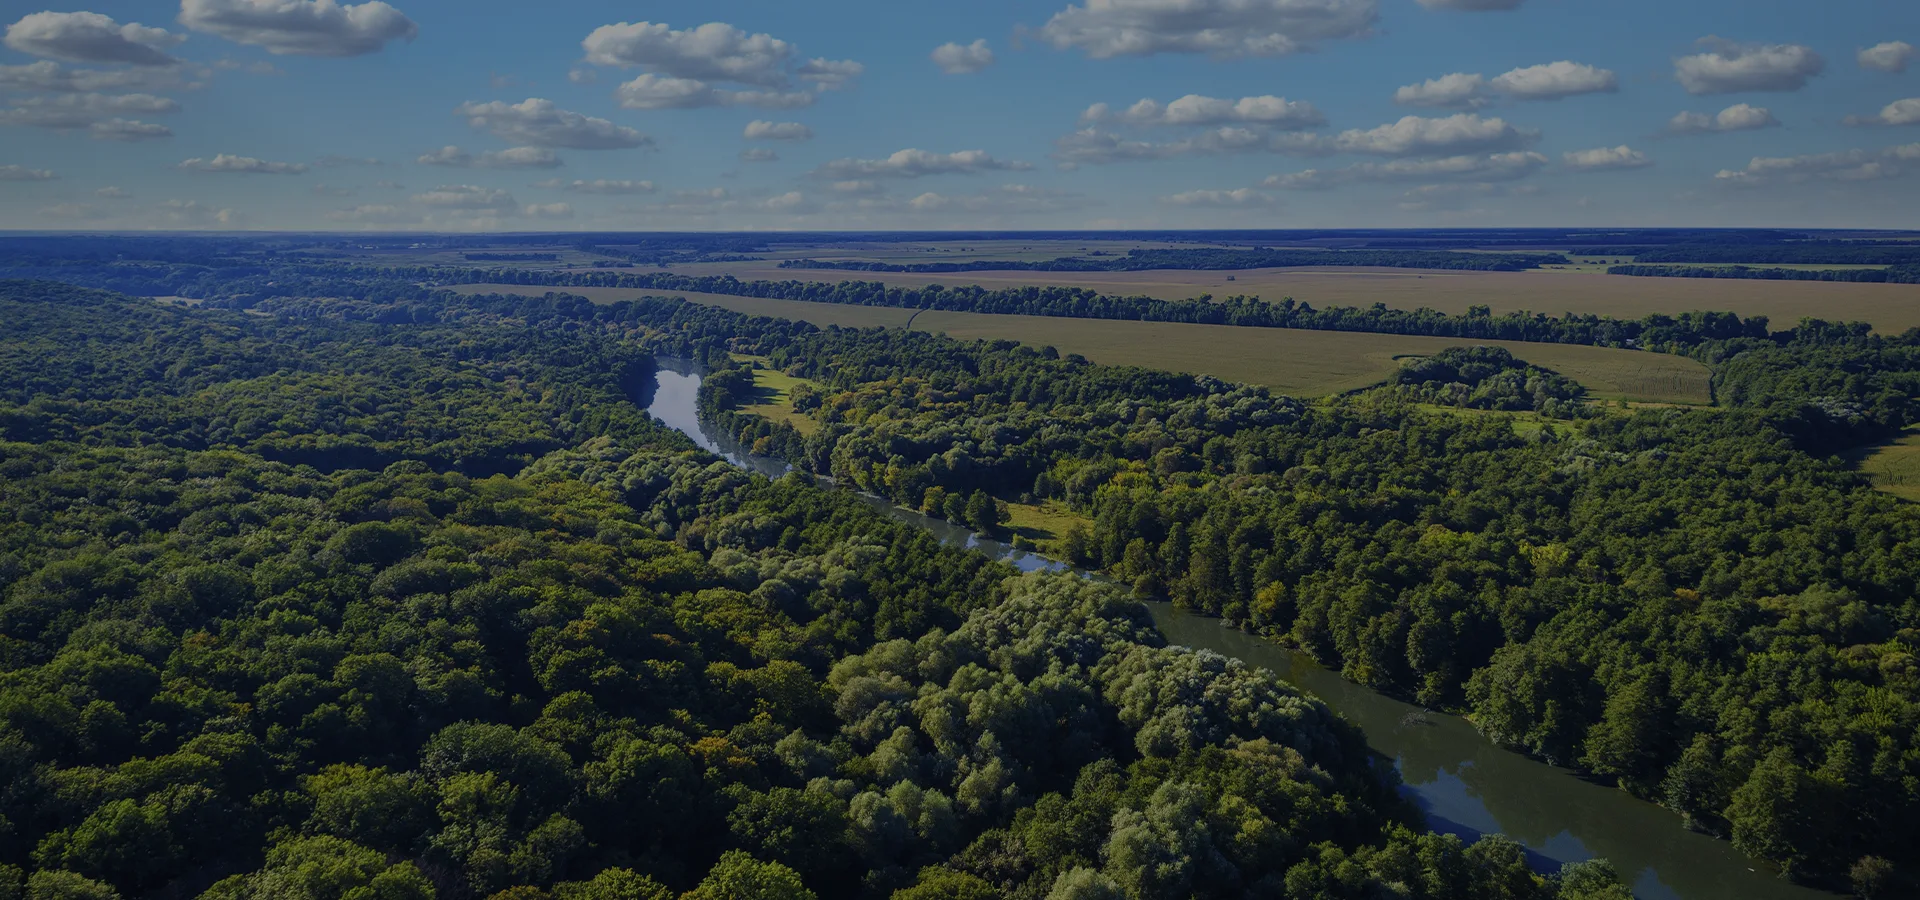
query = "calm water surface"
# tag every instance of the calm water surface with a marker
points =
(1465, 785)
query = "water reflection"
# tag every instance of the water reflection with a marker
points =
(1463, 784)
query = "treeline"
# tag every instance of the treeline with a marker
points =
(511, 257)
(1909, 274)
(625, 670)
(1855, 253)
(1215, 258)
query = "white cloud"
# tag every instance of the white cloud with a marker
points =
(72, 111)
(1094, 147)
(1556, 80)
(1473, 5)
(1417, 136)
(511, 158)
(1899, 112)
(128, 131)
(1194, 109)
(1891, 57)
(1005, 200)
(652, 91)
(112, 192)
(758, 154)
(465, 196)
(89, 37)
(1738, 117)
(762, 130)
(1104, 29)
(712, 52)
(22, 173)
(1728, 68)
(1603, 158)
(963, 59)
(1488, 168)
(547, 211)
(1846, 165)
(917, 163)
(1243, 198)
(540, 123)
(300, 27)
(47, 75)
(600, 186)
(830, 74)
(791, 201)
(1459, 90)
(241, 165)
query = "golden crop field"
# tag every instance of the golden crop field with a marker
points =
(1892, 308)
(1317, 363)
(1296, 362)
(1895, 467)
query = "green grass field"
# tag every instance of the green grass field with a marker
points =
(774, 389)
(1895, 467)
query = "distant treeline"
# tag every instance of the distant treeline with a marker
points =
(511, 257)
(1891, 275)
(1800, 253)
(1214, 258)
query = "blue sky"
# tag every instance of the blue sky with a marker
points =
(309, 114)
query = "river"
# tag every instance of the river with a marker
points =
(1464, 784)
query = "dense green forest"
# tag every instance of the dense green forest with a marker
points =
(1815, 252)
(1217, 259)
(1698, 604)
(276, 621)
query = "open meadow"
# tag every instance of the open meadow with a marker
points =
(1895, 466)
(1892, 308)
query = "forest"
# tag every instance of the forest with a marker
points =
(276, 620)
(1901, 274)
(1702, 606)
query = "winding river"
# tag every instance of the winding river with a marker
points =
(1465, 785)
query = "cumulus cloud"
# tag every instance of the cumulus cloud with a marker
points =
(1484, 168)
(300, 27)
(712, 52)
(1846, 165)
(1899, 112)
(22, 173)
(1418, 136)
(512, 158)
(1243, 198)
(539, 123)
(1092, 146)
(1459, 90)
(1550, 81)
(1194, 109)
(465, 196)
(74, 111)
(1738, 117)
(600, 186)
(1604, 158)
(1473, 5)
(758, 154)
(652, 91)
(241, 165)
(830, 74)
(47, 75)
(912, 163)
(1729, 68)
(1556, 80)
(1104, 29)
(1891, 57)
(762, 130)
(963, 59)
(128, 131)
(88, 37)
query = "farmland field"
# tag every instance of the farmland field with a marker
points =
(1895, 467)
(1892, 308)
(1317, 363)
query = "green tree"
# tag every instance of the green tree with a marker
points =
(738, 876)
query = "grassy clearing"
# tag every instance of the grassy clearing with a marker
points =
(774, 393)
(1043, 523)
(1894, 467)
(1892, 308)
(1318, 363)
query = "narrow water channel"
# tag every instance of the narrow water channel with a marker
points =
(1465, 785)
